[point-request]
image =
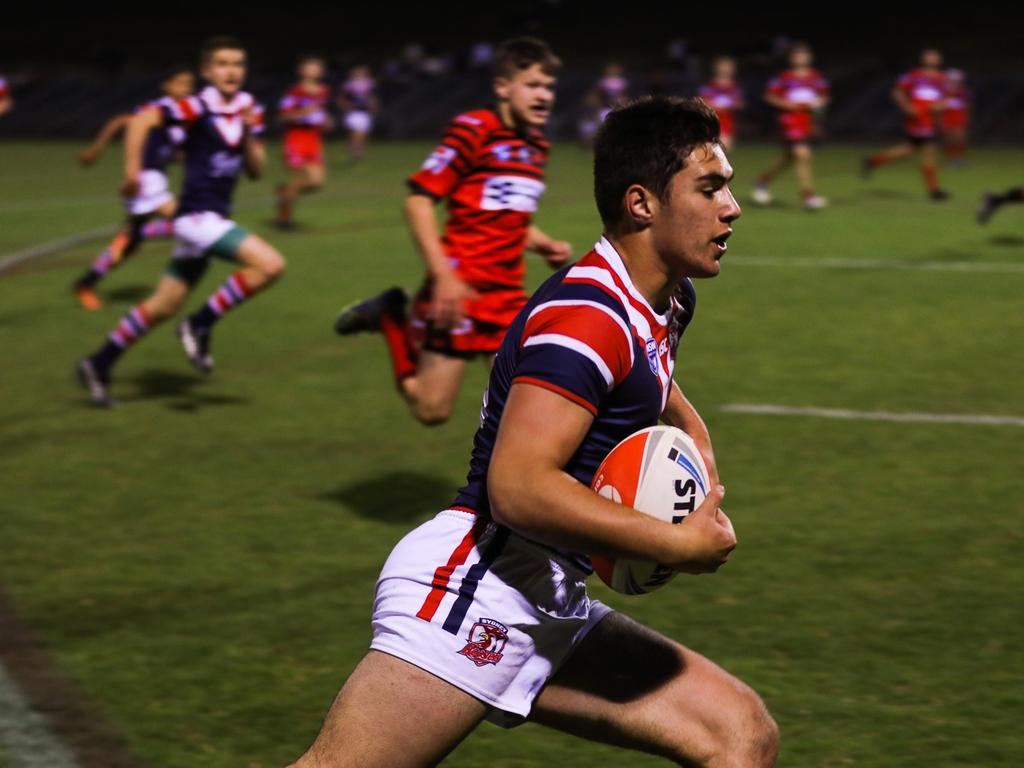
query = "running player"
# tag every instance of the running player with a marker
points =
(956, 116)
(610, 91)
(799, 94)
(357, 100)
(724, 96)
(151, 207)
(483, 612)
(991, 203)
(222, 127)
(6, 100)
(303, 109)
(490, 168)
(921, 94)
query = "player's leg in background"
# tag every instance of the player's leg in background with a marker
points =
(762, 195)
(155, 225)
(990, 203)
(391, 714)
(954, 145)
(898, 152)
(302, 180)
(431, 392)
(803, 156)
(627, 685)
(930, 170)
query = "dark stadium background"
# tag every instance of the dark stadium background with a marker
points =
(73, 67)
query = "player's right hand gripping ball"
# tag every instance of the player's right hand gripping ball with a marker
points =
(658, 471)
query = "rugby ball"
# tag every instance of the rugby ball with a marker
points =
(660, 472)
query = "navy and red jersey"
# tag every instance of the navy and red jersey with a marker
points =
(299, 98)
(590, 336)
(161, 143)
(804, 88)
(215, 133)
(925, 90)
(725, 98)
(358, 93)
(492, 177)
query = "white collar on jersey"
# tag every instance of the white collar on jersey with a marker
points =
(609, 254)
(216, 103)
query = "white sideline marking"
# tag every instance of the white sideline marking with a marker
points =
(54, 246)
(929, 266)
(26, 740)
(766, 409)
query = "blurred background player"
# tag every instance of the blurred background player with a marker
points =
(799, 94)
(610, 91)
(723, 94)
(6, 100)
(357, 99)
(490, 168)
(303, 110)
(221, 126)
(921, 94)
(151, 207)
(956, 116)
(991, 203)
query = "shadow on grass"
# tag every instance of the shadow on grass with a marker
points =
(890, 194)
(395, 497)
(180, 388)
(129, 293)
(1007, 241)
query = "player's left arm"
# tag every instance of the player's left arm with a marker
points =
(254, 152)
(679, 412)
(555, 252)
(110, 129)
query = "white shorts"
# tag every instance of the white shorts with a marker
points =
(153, 192)
(196, 233)
(359, 121)
(483, 609)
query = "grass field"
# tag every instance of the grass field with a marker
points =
(202, 559)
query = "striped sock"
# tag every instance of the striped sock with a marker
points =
(157, 229)
(232, 293)
(132, 327)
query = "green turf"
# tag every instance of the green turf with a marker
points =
(202, 559)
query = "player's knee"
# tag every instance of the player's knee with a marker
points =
(432, 413)
(753, 740)
(272, 265)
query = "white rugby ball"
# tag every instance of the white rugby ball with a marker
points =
(658, 471)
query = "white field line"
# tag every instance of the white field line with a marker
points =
(766, 409)
(12, 260)
(26, 740)
(927, 266)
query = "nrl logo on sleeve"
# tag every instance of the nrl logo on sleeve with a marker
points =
(487, 639)
(652, 355)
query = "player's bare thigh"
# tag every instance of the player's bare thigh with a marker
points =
(166, 299)
(432, 392)
(392, 714)
(262, 261)
(628, 685)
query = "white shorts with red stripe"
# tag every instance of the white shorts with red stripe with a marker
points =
(483, 609)
(195, 233)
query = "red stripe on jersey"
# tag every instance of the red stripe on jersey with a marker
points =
(188, 110)
(589, 326)
(557, 390)
(443, 575)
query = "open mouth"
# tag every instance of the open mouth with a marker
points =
(539, 110)
(720, 242)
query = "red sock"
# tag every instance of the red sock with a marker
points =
(877, 160)
(931, 178)
(403, 353)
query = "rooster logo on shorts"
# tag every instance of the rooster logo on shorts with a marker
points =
(487, 639)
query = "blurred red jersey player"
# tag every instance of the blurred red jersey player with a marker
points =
(799, 94)
(490, 169)
(303, 109)
(723, 95)
(6, 102)
(956, 116)
(921, 94)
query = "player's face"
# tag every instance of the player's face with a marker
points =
(311, 71)
(931, 59)
(725, 70)
(801, 58)
(180, 85)
(530, 95)
(225, 70)
(691, 225)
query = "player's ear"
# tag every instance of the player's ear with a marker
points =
(640, 205)
(501, 87)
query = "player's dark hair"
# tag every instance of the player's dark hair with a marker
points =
(219, 43)
(309, 56)
(175, 69)
(521, 53)
(646, 142)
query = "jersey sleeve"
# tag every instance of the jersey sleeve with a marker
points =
(4, 92)
(181, 112)
(775, 87)
(259, 122)
(578, 349)
(288, 102)
(452, 160)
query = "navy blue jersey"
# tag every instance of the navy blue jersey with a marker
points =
(163, 142)
(590, 336)
(215, 133)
